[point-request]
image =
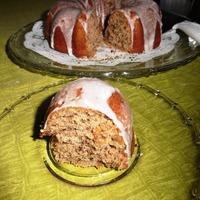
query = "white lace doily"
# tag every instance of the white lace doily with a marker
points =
(34, 40)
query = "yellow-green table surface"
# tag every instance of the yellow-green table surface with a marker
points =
(168, 168)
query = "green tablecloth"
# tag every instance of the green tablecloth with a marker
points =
(168, 167)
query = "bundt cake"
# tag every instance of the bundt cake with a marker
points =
(91, 125)
(79, 27)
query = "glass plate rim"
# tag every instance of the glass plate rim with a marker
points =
(121, 70)
(95, 181)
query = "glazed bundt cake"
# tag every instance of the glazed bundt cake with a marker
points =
(91, 125)
(79, 27)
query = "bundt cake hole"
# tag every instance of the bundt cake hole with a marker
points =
(78, 142)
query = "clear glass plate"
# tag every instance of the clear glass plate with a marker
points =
(183, 53)
(89, 176)
(165, 142)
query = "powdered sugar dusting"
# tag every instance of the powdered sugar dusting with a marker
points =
(35, 41)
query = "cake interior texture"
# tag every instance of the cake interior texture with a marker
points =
(118, 33)
(85, 137)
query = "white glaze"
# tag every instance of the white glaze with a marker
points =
(94, 95)
(65, 20)
(149, 23)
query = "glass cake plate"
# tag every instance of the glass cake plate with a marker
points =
(183, 52)
(167, 149)
(89, 176)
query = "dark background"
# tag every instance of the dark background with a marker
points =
(190, 9)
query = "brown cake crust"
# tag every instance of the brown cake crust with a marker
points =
(59, 41)
(85, 45)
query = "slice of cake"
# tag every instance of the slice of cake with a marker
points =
(91, 125)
